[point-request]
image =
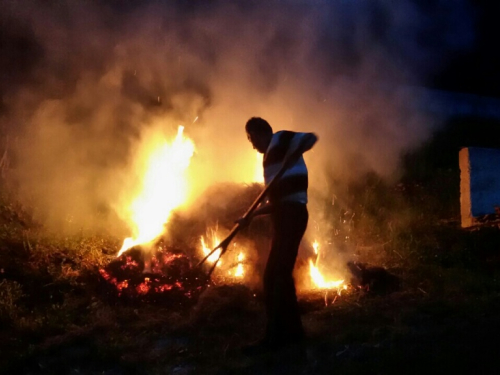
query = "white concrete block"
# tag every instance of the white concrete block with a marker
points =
(479, 185)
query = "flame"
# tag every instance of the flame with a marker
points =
(206, 249)
(315, 246)
(165, 188)
(317, 277)
(259, 168)
(212, 240)
(239, 268)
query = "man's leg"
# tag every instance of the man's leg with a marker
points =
(284, 324)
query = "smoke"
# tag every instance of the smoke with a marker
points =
(83, 84)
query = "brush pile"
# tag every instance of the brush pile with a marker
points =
(167, 274)
(169, 279)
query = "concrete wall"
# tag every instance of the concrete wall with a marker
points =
(479, 184)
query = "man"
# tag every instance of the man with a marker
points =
(286, 205)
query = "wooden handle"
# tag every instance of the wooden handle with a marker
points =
(225, 243)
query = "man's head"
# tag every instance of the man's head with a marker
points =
(259, 133)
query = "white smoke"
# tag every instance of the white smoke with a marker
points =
(94, 75)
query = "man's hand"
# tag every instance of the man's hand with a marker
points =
(264, 209)
(244, 221)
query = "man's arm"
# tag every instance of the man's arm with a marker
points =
(307, 142)
(264, 209)
(301, 142)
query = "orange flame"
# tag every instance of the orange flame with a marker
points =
(259, 169)
(318, 279)
(239, 268)
(206, 249)
(164, 189)
(213, 241)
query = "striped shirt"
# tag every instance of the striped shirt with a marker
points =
(292, 186)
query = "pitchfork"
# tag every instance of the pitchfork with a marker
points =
(289, 160)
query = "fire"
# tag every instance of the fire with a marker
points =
(318, 278)
(164, 189)
(206, 249)
(315, 246)
(239, 268)
(259, 169)
(213, 240)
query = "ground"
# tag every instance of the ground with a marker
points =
(57, 318)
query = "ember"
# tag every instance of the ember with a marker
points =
(172, 279)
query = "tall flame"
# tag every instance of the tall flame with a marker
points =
(164, 189)
(317, 277)
(259, 169)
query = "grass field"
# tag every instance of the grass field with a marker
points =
(445, 318)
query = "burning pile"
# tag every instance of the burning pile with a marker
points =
(147, 268)
(167, 276)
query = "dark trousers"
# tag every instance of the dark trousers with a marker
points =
(283, 318)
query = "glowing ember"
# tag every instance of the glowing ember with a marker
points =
(173, 280)
(130, 263)
(164, 189)
(122, 285)
(144, 287)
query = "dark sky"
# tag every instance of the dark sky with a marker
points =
(463, 59)
(476, 70)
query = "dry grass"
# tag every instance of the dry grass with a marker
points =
(56, 319)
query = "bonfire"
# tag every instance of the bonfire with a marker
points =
(150, 267)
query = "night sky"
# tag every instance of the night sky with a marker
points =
(476, 69)
(463, 59)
